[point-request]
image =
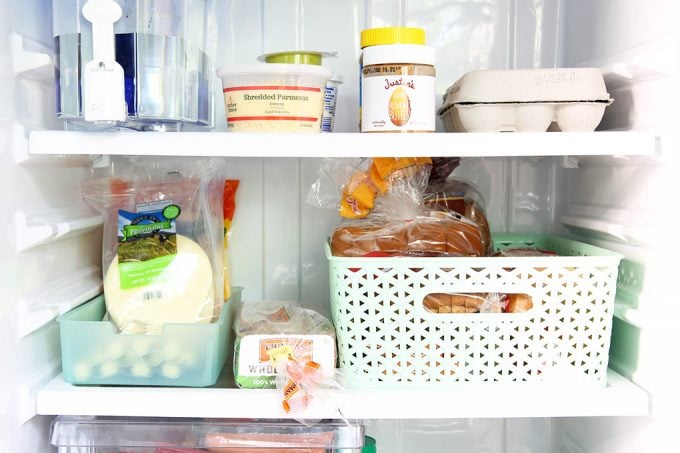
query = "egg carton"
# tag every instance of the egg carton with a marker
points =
(526, 100)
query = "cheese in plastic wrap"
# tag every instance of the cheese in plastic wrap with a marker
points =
(163, 244)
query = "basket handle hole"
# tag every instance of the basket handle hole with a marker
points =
(447, 303)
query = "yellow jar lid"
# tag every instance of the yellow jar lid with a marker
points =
(392, 35)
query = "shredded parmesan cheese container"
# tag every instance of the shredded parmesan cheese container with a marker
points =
(274, 97)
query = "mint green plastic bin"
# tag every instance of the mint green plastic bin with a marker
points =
(184, 355)
(386, 336)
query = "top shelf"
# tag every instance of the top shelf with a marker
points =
(639, 143)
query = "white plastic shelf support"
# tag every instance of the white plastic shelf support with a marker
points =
(27, 392)
(19, 147)
(619, 398)
(29, 63)
(35, 228)
(635, 234)
(40, 306)
(343, 144)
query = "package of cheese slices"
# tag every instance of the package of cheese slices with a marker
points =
(163, 241)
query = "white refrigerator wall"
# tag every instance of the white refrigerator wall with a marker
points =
(50, 241)
(278, 237)
(627, 205)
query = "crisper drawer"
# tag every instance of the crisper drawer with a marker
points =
(387, 333)
(163, 435)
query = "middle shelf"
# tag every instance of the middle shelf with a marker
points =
(619, 397)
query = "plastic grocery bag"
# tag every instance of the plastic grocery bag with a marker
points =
(163, 242)
(382, 186)
(302, 380)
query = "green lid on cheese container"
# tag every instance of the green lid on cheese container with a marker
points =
(296, 57)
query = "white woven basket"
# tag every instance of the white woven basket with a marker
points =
(385, 335)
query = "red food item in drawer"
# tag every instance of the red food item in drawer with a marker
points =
(269, 443)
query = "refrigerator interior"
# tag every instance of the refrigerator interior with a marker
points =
(50, 247)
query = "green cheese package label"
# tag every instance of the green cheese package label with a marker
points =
(157, 276)
(253, 369)
(147, 243)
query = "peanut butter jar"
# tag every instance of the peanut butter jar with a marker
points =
(398, 84)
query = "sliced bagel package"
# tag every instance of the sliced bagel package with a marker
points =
(264, 327)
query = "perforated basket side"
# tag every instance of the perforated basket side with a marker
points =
(386, 336)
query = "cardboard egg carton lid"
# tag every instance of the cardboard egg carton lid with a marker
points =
(528, 85)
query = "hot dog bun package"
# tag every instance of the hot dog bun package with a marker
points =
(453, 194)
(381, 201)
(163, 242)
(264, 327)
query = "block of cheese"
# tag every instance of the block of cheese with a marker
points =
(183, 294)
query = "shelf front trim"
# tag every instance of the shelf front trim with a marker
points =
(342, 144)
(619, 398)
